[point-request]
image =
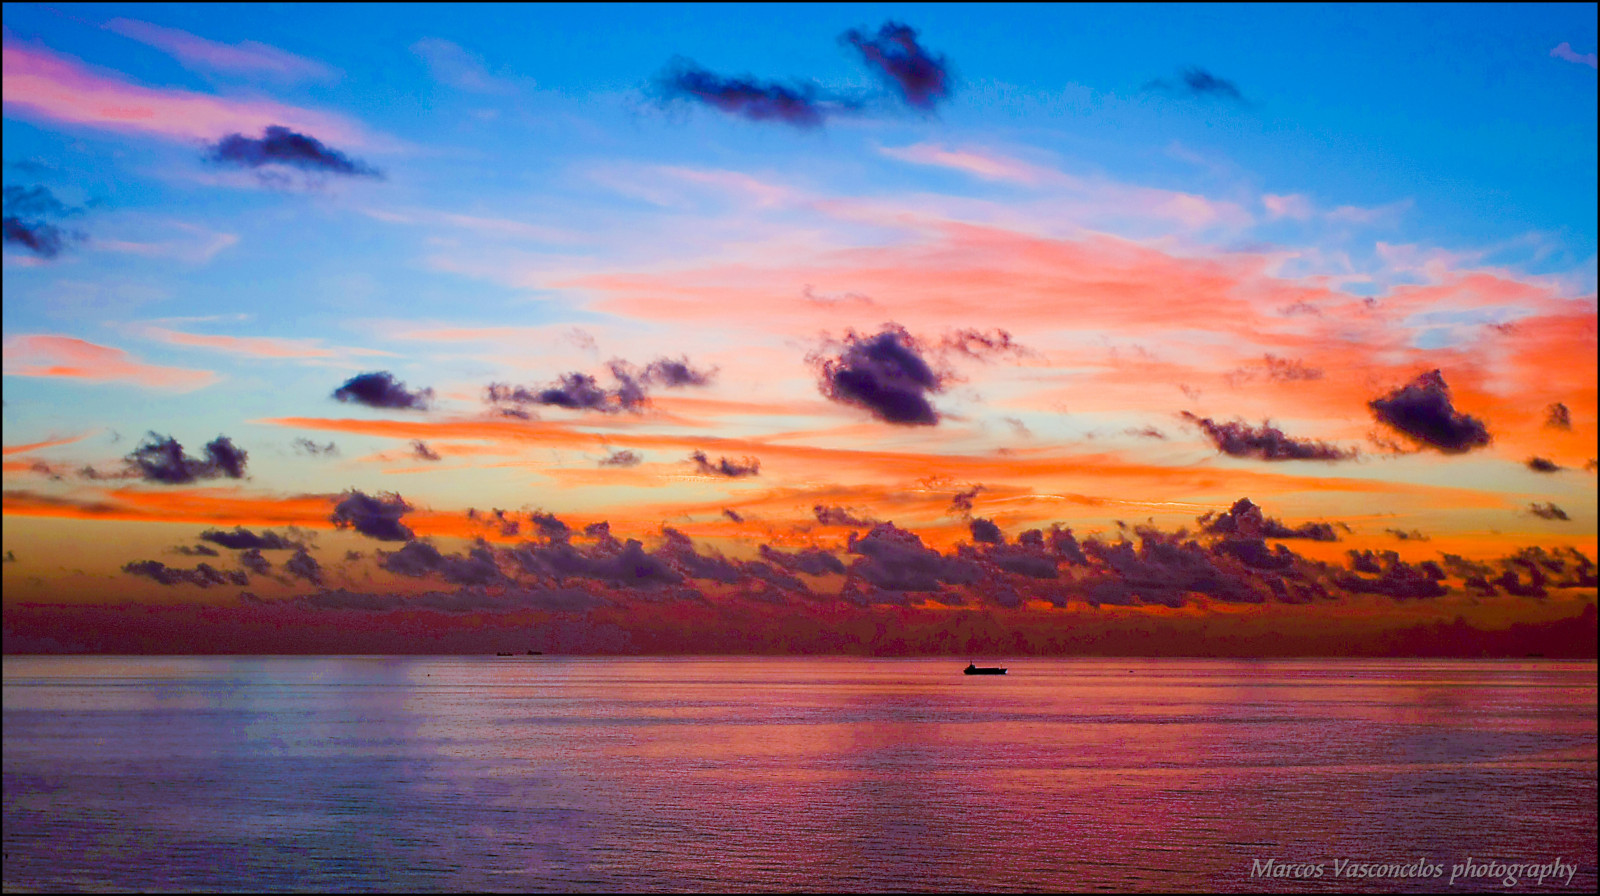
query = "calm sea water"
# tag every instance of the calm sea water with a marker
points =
(552, 773)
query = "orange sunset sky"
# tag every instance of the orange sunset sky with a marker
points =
(862, 330)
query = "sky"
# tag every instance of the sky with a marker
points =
(1193, 329)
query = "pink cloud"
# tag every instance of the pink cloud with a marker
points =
(1564, 50)
(63, 356)
(979, 163)
(1292, 205)
(246, 57)
(40, 83)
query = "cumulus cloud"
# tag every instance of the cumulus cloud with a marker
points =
(1245, 519)
(375, 517)
(1421, 411)
(811, 561)
(749, 466)
(894, 559)
(380, 389)
(1542, 465)
(279, 145)
(1564, 51)
(418, 558)
(198, 550)
(885, 375)
(312, 449)
(582, 392)
(29, 221)
(304, 566)
(421, 451)
(1548, 511)
(985, 531)
(675, 373)
(623, 458)
(1197, 82)
(1266, 442)
(241, 539)
(203, 575)
(801, 105)
(921, 78)
(161, 459)
(1557, 416)
(829, 515)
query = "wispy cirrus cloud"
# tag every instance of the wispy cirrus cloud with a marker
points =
(252, 346)
(48, 355)
(244, 58)
(38, 82)
(451, 64)
(982, 163)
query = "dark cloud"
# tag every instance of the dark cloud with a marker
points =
(374, 517)
(312, 449)
(961, 502)
(254, 562)
(894, 559)
(1149, 432)
(29, 216)
(624, 458)
(379, 389)
(621, 563)
(732, 515)
(748, 466)
(1403, 535)
(278, 145)
(421, 451)
(1163, 570)
(1543, 465)
(241, 539)
(304, 566)
(198, 550)
(1245, 519)
(161, 459)
(1196, 81)
(921, 78)
(979, 345)
(986, 532)
(1548, 511)
(1421, 411)
(1278, 370)
(811, 561)
(677, 373)
(418, 559)
(550, 526)
(1394, 577)
(884, 374)
(203, 575)
(679, 550)
(839, 516)
(800, 105)
(1266, 442)
(1556, 416)
(471, 599)
(582, 392)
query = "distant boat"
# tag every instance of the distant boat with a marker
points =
(502, 653)
(536, 653)
(973, 669)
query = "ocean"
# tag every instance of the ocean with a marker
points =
(549, 773)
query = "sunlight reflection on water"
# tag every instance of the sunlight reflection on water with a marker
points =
(553, 773)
